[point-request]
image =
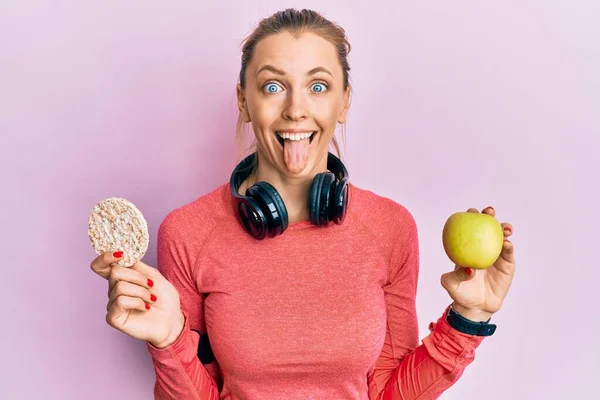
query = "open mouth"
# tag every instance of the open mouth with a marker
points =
(282, 136)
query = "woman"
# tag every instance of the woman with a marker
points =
(306, 285)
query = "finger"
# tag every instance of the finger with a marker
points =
(119, 273)
(123, 288)
(507, 229)
(121, 306)
(126, 303)
(452, 280)
(489, 210)
(473, 210)
(508, 252)
(103, 263)
(146, 269)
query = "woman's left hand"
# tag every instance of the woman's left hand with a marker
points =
(478, 294)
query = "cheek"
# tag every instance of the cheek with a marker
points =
(327, 112)
(264, 111)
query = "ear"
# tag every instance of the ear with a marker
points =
(342, 117)
(241, 100)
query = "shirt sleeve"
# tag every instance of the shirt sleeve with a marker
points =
(404, 369)
(179, 372)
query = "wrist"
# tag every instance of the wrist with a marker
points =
(174, 333)
(471, 314)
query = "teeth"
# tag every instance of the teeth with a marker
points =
(294, 136)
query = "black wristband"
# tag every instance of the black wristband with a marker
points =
(469, 327)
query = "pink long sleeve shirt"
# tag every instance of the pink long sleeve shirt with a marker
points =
(316, 313)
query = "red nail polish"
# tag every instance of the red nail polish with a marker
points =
(147, 306)
(469, 271)
(150, 283)
(118, 254)
(153, 297)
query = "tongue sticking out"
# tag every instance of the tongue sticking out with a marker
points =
(295, 154)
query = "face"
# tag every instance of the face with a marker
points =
(294, 98)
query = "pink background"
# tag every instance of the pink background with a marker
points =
(455, 106)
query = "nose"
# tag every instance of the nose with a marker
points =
(295, 107)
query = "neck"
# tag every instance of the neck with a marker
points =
(293, 191)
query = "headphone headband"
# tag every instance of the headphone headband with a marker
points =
(244, 168)
(262, 211)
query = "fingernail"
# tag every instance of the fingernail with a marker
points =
(118, 254)
(507, 229)
(147, 306)
(153, 297)
(469, 271)
(150, 283)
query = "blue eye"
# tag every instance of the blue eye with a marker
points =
(319, 87)
(272, 87)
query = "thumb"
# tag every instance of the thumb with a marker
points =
(451, 280)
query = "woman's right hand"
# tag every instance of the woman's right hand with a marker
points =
(141, 302)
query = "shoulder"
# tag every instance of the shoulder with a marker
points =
(393, 226)
(195, 220)
(388, 215)
(390, 224)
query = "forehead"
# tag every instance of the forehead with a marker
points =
(296, 53)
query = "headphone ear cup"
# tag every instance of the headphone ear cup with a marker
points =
(314, 197)
(271, 205)
(333, 189)
(340, 201)
(252, 217)
(326, 200)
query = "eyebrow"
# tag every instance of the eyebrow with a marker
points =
(280, 72)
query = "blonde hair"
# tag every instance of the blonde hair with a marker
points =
(295, 22)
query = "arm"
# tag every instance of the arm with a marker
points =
(405, 371)
(179, 372)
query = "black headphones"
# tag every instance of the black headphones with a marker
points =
(262, 212)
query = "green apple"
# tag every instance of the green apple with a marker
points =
(472, 239)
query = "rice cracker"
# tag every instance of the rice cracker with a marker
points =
(115, 224)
